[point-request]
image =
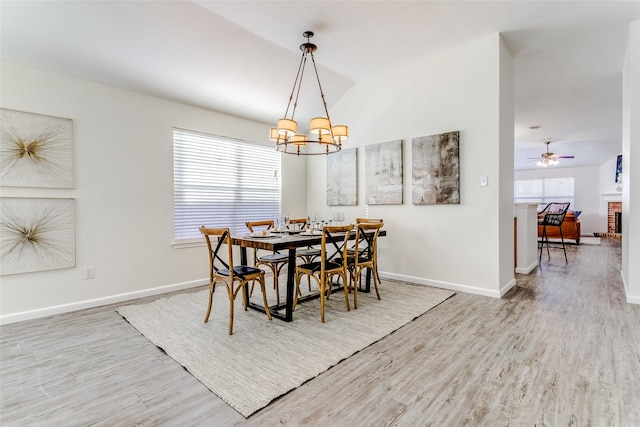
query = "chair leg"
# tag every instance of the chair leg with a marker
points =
(264, 298)
(563, 248)
(545, 238)
(375, 282)
(322, 289)
(245, 303)
(231, 304)
(346, 293)
(212, 287)
(354, 279)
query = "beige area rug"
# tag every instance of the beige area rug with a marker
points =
(589, 240)
(265, 359)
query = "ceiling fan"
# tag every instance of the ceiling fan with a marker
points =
(548, 158)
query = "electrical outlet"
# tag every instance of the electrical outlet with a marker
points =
(89, 273)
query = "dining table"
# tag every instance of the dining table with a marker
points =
(273, 240)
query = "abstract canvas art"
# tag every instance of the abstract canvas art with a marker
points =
(36, 234)
(342, 178)
(436, 169)
(35, 150)
(383, 173)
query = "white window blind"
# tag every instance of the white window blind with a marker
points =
(222, 182)
(544, 190)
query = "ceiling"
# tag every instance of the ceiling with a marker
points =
(240, 57)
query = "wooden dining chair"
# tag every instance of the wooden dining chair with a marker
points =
(363, 256)
(308, 254)
(332, 263)
(375, 254)
(234, 277)
(275, 261)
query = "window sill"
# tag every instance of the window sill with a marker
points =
(183, 244)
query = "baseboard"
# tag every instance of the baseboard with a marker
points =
(82, 305)
(631, 299)
(446, 285)
(527, 270)
(507, 287)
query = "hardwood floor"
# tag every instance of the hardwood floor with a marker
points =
(561, 348)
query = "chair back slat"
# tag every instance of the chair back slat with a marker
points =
(222, 237)
(331, 235)
(268, 223)
(367, 238)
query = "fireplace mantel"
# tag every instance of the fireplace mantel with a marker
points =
(612, 197)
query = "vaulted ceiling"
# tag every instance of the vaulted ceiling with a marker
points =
(240, 57)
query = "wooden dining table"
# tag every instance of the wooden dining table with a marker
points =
(280, 241)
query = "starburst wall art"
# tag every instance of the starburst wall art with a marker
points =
(35, 150)
(36, 234)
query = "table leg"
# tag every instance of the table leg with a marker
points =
(291, 284)
(243, 261)
(367, 286)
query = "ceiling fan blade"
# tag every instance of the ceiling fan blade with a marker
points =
(565, 157)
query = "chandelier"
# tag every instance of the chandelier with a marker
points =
(327, 138)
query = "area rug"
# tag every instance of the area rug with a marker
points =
(265, 359)
(588, 240)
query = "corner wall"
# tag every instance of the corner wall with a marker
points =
(123, 150)
(631, 165)
(467, 247)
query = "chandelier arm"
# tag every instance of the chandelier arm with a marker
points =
(297, 82)
(303, 63)
(324, 102)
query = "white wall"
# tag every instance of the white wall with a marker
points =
(123, 189)
(631, 166)
(587, 193)
(455, 246)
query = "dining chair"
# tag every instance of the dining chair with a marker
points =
(332, 263)
(363, 256)
(552, 216)
(275, 261)
(375, 254)
(308, 254)
(234, 277)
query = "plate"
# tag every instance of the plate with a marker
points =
(315, 233)
(260, 235)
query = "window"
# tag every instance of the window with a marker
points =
(221, 182)
(544, 190)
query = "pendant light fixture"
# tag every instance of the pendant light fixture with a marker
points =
(327, 138)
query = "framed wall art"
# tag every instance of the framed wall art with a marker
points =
(383, 173)
(36, 234)
(35, 150)
(436, 169)
(342, 178)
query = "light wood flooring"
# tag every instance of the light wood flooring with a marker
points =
(562, 348)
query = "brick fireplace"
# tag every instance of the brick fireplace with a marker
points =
(614, 218)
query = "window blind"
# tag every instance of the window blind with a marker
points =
(544, 190)
(222, 182)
